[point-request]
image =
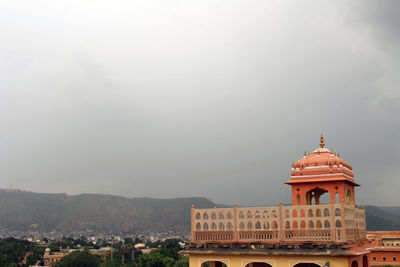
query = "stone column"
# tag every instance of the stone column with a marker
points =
(235, 224)
(281, 228)
(192, 225)
(333, 221)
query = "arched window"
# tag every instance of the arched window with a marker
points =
(348, 197)
(319, 224)
(310, 213)
(213, 226)
(205, 226)
(274, 225)
(266, 226)
(295, 225)
(318, 213)
(205, 216)
(229, 215)
(298, 200)
(337, 199)
(198, 226)
(294, 214)
(337, 212)
(198, 216)
(257, 214)
(221, 216)
(249, 226)
(326, 212)
(338, 224)
(242, 226)
(213, 216)
(229, 226)
(287, 225)
(221, 226)
(327, 224)
(258, 225)
(303, 224)
(302, 213)
(241, 215)
(310, 224)
(249, 214)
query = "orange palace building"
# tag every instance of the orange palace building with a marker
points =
(308, 233)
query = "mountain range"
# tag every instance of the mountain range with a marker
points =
(23, 211)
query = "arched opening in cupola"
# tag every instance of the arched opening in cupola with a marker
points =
(316, 195)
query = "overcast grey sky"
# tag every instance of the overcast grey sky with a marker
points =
(197, 98)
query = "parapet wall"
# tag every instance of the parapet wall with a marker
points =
(332, 223)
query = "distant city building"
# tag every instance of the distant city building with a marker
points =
(387, 248)
(323, 226)
(50, 259)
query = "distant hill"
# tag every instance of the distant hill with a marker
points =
(23, 211)
(382, 218)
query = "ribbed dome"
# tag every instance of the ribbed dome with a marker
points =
(321, 161)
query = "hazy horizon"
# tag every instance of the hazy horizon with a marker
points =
(185, 98)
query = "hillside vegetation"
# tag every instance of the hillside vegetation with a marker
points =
(24, 211)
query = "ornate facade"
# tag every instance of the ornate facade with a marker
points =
(306, 233)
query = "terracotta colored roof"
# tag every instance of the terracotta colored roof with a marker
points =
(320, 164)
(384, 248)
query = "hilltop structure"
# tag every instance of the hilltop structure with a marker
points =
(305, 234)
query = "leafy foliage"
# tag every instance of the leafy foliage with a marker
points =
(79, 259)
(183, 262)
(155, 259)
(14, 250)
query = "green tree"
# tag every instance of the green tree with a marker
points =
(170, 248)
(79, 259)
(3, 260)
(155, 259)
(183, 262)
(37, 255)
(110, 263)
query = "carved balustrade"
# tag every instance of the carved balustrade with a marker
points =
(334, 223)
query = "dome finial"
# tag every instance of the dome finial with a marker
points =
(322, 144)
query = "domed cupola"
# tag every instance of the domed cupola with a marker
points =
(322, 168)
(321, 161)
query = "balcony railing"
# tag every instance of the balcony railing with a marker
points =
(332, 223)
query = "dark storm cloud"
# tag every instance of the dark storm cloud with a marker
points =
(213, 99)
(381, 17)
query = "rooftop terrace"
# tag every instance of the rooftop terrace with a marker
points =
(331, 223)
